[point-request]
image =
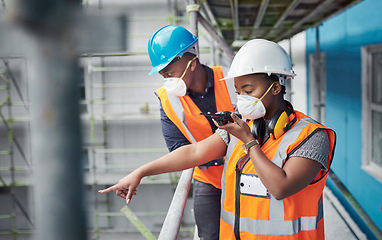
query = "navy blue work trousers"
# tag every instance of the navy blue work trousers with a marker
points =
(207, 210)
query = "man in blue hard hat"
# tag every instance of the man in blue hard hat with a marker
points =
(190, 88)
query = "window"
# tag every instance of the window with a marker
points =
(317, 86)
(372, 110)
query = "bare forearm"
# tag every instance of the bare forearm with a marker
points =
(183, 158)
(171, 162)
(283, 182)
(270, 174)
(187, 156)
(178, 160)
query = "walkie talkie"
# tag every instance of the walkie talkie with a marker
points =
(222, 118)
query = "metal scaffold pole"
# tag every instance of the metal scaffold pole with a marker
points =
(56, 135)
(57, 146)
(52, 35)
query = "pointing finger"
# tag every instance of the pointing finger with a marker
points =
(109, 189)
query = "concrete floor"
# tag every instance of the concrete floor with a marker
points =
(338, 223)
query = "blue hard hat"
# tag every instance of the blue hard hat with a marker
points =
(167, 43)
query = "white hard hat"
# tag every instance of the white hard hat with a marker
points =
(261, 56)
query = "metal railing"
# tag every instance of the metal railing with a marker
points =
(172, 222)
(171, 225)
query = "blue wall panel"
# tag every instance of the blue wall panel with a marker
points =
(341, 38)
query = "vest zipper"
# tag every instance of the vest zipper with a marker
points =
(239, 168)
(236, 227)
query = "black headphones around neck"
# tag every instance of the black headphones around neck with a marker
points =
(278, 125)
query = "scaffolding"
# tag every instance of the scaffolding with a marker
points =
(110, 106)
(16, 162)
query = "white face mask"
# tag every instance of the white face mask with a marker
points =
(177, 86)
(251, 107)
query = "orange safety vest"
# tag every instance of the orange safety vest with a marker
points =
(184, 113)
(250, 216)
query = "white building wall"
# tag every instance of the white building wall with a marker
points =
(296, 48)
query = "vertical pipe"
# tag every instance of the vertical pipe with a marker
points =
(194, 23)
(318, 75)
(194, 30)
(288, 84)
(55, 125)
(91, 150)
(213, 53)
(56, 142)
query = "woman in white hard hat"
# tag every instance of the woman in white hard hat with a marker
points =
(276, 161)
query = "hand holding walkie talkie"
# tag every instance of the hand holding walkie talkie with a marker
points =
(221, 118)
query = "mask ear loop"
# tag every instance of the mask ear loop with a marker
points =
(254, 103)
(188, 65)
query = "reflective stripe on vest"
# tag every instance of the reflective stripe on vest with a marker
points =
(184, 113)
(178, 109)
(263, 227)
(230, 148)
(276, 211)
(276, 225)
(221, 103)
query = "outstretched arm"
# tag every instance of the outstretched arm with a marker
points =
(182, 158)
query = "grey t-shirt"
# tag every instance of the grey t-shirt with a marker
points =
(315, 148)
